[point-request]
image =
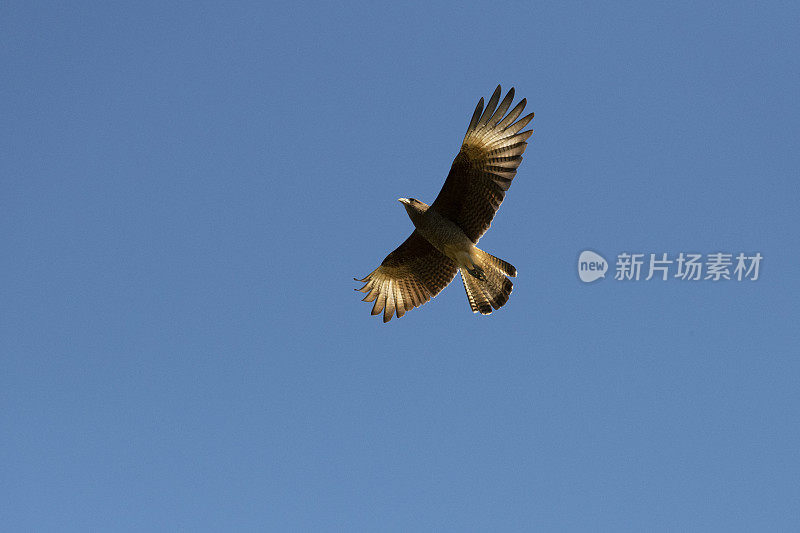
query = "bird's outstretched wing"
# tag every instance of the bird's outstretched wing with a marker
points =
(484, 167)
(411, 275)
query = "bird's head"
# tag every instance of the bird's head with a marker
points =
(414, 207)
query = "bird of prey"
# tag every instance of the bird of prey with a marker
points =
(446, 232)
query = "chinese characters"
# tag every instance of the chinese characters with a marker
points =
(716, 266)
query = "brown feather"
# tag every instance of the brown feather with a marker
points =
(408, 277)
(484, 167)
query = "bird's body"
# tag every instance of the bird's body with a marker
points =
(446, 232)
(441, 232)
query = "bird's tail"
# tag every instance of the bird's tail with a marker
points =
(487, 286)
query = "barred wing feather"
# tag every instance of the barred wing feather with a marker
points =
(484, 167)
(408, 277)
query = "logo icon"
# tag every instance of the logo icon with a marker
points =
(591, 266)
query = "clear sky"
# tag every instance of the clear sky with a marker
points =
(189, 188)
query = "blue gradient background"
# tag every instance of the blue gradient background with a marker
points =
(189, 188)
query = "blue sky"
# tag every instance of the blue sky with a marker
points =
(189, 188)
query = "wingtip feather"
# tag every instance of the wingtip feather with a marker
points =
(490, 107)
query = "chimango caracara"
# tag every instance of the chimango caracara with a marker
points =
(448, 230)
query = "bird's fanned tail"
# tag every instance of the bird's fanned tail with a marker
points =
(493, 291)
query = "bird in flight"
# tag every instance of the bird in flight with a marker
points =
(447, 231)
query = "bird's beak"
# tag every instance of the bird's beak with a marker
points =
(403, 200)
